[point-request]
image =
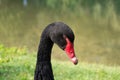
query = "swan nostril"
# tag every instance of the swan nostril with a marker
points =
(71, 52)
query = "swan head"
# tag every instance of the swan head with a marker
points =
(63, 36)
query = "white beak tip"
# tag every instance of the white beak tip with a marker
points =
(75, 60)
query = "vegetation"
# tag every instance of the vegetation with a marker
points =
(18, 64)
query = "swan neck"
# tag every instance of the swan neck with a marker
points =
(44, 50)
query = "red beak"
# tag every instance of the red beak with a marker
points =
(69, 49)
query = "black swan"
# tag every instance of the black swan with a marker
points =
(63, 36)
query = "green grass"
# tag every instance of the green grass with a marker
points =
(21, 66)
(84, 71)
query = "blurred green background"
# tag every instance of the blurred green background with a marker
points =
(96, 24)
